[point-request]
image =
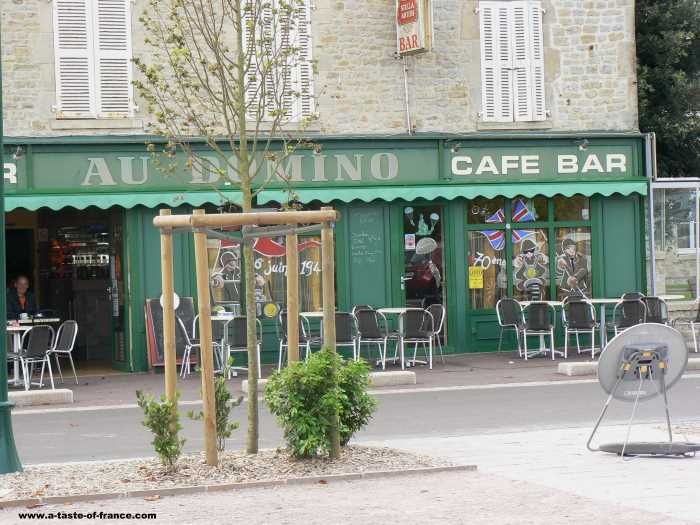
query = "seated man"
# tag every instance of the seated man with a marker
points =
(19, 299)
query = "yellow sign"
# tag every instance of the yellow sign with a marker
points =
(271, 310)
(476, 277)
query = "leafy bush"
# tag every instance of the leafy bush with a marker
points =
(304, 398)
(163, 420)
(224, 405)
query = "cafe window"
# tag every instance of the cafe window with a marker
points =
(676, 247)
(542, 252)
(271, 272)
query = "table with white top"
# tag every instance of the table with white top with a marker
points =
(225, 319)
(318, 314)
(398, 311)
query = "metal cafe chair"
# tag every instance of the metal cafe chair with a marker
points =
(63, 346)
(237, 342)
(372, 328)
(438, 312)
(628, 313)
(416, 326)
(36, 344)
(345, 331)
(657, 310)
(192, 342)
(510, 317)
(578, 317)
(692, 322)
(540, 321)
(305, 339)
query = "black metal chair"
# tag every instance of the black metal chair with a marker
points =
(632, 296)
(237, 342)
(372, 328)
(416, 326)
(345, 331)
(628, 313)
(692, 322)
(63, 345)
(578, 317)
(510, 316)
(36, 345)
(438, 312)
(657, 310)
(540, 321)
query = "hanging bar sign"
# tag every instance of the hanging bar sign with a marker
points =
(413, 26)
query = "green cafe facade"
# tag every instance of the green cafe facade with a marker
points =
(457, 220)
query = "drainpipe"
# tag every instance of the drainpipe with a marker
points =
(649, 157)
(405, 88)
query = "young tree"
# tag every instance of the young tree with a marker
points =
(668, 58)
(236, 75)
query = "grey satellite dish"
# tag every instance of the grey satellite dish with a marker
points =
(637, 365)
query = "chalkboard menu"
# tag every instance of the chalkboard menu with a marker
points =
(368, 257)
(154, 329)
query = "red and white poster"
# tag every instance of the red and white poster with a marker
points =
(413, 26)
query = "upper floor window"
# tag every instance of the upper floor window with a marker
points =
(279, 67)
(92, 46)
(512, 61)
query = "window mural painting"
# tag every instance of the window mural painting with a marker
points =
(573, 262)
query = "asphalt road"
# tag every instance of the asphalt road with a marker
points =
(55, 435)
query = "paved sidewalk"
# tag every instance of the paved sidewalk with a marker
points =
(558, 459)
(97, 389)
(449, 498)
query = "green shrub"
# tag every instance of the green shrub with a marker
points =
(224, 405)
(303, 398)
(163, 420)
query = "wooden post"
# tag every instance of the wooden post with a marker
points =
(168, 290)
(292, 298)
(328, 277)
(206, 354)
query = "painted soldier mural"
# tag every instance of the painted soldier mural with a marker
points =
(531, 269)
(573, 273)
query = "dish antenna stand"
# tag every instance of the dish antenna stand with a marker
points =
(637, 365)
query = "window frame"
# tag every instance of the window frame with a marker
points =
(94, 54)
(508, 95)
(550, 225)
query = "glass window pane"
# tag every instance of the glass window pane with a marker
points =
(486, 211)
(225, 273)
(488, 281)
(573, 262)
(423, 265)
(525, 209)
(676, 241)
(271, 271)
(530, 264)
(576, 208)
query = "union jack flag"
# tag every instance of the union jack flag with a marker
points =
(521, 213)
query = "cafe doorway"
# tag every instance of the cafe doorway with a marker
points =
(74, 261)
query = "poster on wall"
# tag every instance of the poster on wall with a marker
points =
(414, 26)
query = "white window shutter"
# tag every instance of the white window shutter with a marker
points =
(522, 64)
(252, 81)
(288, 86)
(539, 110)
(496, 62)
(75, 83)
(303, 75)
(112, 19)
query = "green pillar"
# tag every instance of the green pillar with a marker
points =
(9, 460)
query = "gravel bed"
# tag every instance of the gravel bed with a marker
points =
(234, 467)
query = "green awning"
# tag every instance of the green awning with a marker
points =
(453, 191)
(125, 200)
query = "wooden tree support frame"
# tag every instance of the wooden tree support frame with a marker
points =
(271, 224)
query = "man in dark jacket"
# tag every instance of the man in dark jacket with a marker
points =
(19, 299)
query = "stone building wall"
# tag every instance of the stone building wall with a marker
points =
(589, 69)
